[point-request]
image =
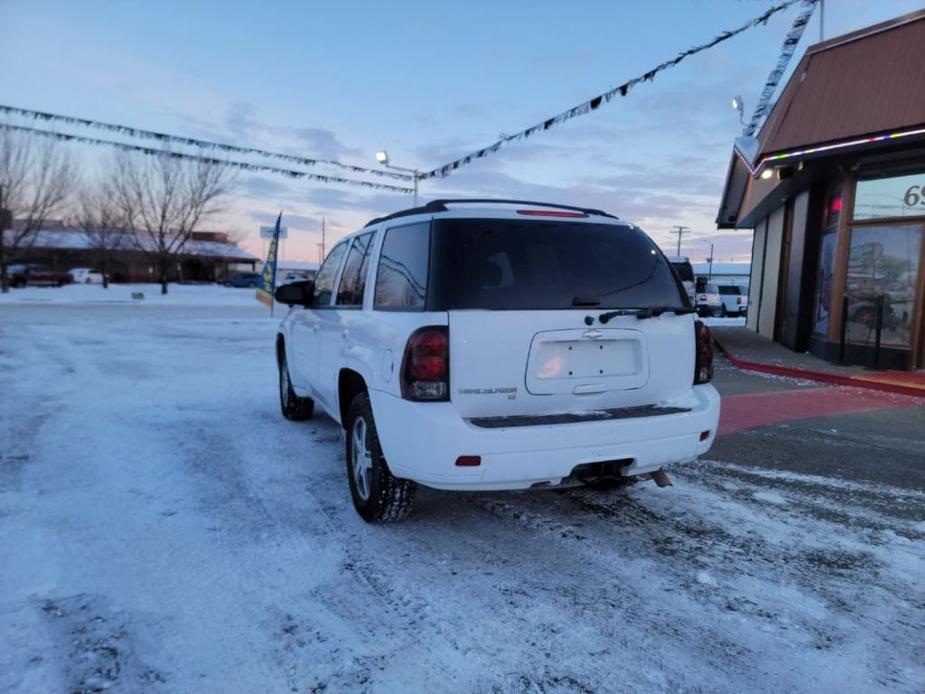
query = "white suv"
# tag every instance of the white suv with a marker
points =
(477, 344)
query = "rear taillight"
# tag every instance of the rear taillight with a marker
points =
(703, 365)
(425, 369)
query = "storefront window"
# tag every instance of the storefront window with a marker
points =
(824, 278)
(890, 197)
(883, 266)
(824, 283)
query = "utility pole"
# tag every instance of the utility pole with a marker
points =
(321, 245)
(711, 261)
(680, 231)
(821, 20)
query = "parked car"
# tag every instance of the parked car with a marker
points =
(734, 304)
(244, 279)
(709, 301)
(471, 345)
(685, 271)
(85, 275)
(289, 277)
(36, 275)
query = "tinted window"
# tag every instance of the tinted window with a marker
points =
(729, 290)
(353, 279)
(401, 281)
(711, 289)
(684, 270)
(324, 280)
(511, 264)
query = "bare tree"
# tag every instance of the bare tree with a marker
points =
(163, 199)
(101, 220)
(37, 177)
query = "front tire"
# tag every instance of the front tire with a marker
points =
(378, 496)
(291, 405)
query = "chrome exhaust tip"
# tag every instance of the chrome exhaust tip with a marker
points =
(660, 477)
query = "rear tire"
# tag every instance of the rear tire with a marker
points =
(378, 496)
(291, 405)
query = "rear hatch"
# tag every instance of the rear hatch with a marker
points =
(524, 299)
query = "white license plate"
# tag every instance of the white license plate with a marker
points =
(585, 359)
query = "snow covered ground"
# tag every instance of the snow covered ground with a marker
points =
(178, 295)
(162, 528)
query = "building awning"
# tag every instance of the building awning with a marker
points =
(858, 91)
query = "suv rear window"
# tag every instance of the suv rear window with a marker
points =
(506, 264)
(729, 290)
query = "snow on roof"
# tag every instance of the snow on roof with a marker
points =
(77, 239)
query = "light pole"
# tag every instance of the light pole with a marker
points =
(383, 158)
(710, 259)
(739, 106)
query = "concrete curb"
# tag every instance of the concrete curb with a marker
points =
(820, 376)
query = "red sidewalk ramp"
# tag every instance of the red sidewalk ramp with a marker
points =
(753, 410)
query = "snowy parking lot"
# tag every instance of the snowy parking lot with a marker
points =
(163, 528)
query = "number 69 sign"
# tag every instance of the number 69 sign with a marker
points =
(914, 196)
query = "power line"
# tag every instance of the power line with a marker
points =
(193, 142)
(246, 166)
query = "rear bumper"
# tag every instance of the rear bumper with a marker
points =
(421, 442)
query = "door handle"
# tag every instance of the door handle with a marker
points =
(345, 334)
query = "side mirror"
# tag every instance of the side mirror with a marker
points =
(296, 293)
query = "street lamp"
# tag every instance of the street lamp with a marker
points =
(739, 106)
(710, 259)
(383, 158)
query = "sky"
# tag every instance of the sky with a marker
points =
(429, 83)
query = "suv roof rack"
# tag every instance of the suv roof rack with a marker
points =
(441, 206)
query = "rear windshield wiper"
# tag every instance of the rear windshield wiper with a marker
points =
(649, 312)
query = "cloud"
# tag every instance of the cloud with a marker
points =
(239, 119)
(324, 144)
(240, 123)
(264, 187)
(293, 221)
(657, 158)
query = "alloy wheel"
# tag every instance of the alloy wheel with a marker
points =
(362, 462)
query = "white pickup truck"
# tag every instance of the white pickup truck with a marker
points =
(476, 345)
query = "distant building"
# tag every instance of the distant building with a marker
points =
(834, 188)
(209, 256)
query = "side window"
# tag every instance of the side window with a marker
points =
(324, 280)
(353, 278)
(401, 281)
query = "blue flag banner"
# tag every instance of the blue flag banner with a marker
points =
(268, 278)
